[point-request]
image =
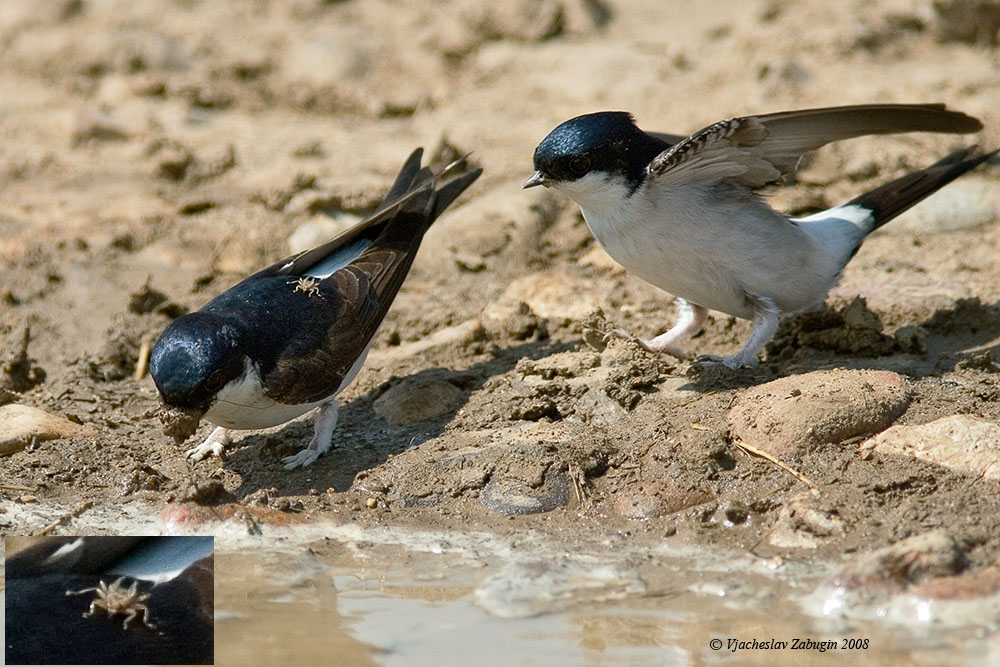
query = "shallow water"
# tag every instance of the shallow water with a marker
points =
(383, 604)
(351, 596)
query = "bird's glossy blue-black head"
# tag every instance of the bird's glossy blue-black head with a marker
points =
(194, 358)
(607, 141)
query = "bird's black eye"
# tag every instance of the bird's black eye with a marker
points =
(580, 165)
(216, 380)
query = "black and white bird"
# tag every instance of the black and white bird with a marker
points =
(683, 213)
(47, 617)
(289, 338)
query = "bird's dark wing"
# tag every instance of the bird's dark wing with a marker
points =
(336, 317)
(410, 183)
(757, 150)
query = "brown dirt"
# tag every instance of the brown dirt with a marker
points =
(154, 154)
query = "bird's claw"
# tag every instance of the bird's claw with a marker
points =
(304, 458)
(733, 363)
(213, 445)
(205, 449)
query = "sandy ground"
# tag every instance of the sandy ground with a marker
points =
(153, 154)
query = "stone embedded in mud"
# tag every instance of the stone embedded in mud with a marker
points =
(964, 586)
(511, 496)
(655, 499)
(802, 412)
(528, 467)
(20, 424)
(915, 559)
(961, 443)
(801, 525)
(418, 399)
(560, 364)
(517, 322)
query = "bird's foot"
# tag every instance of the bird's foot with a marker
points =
(304, 458)
(326, 421)
(214, 445)
(733, 363)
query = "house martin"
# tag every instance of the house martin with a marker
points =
(289, 338)
(683, 213)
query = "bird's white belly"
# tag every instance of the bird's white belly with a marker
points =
(242, 404)
(678, 258)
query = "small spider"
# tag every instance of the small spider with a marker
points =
(307, 284)
(116, 599)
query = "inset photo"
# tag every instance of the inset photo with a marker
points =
(109, 600)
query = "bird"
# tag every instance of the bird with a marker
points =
(289, 338)
(684, 213)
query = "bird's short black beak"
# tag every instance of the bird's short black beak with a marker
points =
(537, 178)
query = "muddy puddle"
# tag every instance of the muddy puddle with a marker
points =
(439, 598)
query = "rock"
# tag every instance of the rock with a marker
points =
(962, 443)
(513, 321)
(560, 364)
(534, 463)
(915, 559)
(802, 412)
(20, 424)
(512, 496)
(417, 399)
(966, 586)
(655, 499)
(802, 526)
(964, 204)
